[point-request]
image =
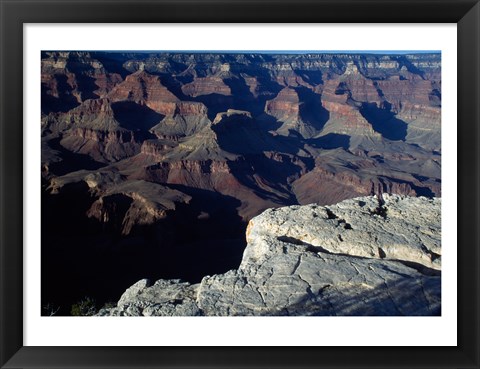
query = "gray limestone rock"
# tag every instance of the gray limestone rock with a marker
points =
(363, 256)
(164, 298)
(395, 227)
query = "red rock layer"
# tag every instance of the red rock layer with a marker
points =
(120, 136)
(93, 130)
(292, 80)
(400, 92)
(157, 148)
(324, 187)
(286, 105)
(79, 73)
(142, 87)
(211, 175)
(206, 86)
(188, 108)
(106, 82)
(94, 114)
(344, 116)
(101, 146)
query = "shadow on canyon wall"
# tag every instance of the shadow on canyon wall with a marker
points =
(82, 257)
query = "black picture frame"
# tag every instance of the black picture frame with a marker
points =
(14, 13)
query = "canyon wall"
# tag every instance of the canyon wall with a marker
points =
(153, 156)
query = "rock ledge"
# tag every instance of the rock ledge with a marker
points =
(363, 256)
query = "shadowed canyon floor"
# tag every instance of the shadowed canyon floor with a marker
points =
(154, 163)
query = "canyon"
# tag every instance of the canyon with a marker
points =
(153, 163)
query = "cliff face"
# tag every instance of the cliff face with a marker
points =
(316, 107)
(69, 78)
(227, 136)
(363, 256)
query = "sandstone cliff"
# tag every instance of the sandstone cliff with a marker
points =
(363, 256)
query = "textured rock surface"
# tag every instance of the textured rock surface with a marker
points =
(164, 298)
(362, 256)
(234, 134)
(142, 87)
(368, 227)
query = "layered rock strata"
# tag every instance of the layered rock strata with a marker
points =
(212, 140)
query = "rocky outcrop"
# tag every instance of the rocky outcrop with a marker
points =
(339, 98)
(346, 183)
(393, 227)
(94, 129)
(285, 106)
(69, 78)
(186, 119)
(216, 176)
(158, 148)
(93, 114)
(236, 133)
(119, 205)
(102, 146)
(134, 204)
(364, 256)
(206, 86)
(144, 87)
(298, 111)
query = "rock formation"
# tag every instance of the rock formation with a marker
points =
(121, 204)
(363, 256)
(210, 140)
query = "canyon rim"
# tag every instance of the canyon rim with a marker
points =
(154, 163)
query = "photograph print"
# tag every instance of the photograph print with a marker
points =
(240, 183)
